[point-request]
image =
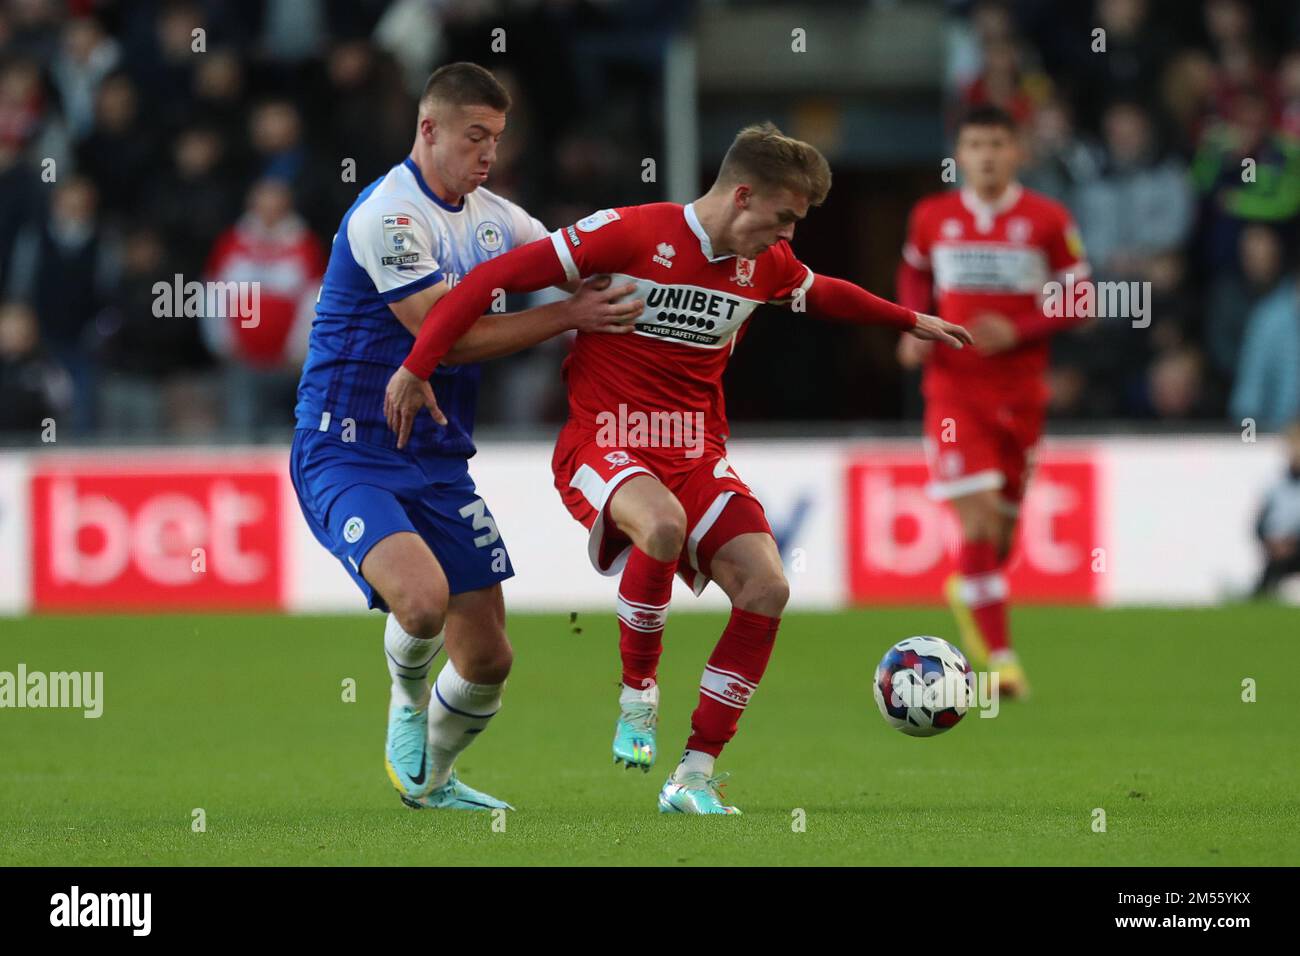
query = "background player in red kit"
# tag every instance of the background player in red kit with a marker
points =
(986, 251)
(659, 497)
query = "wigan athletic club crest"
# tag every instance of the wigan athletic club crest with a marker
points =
(489, 236)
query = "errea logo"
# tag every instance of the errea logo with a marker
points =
(664, 254)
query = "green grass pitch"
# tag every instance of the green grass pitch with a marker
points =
(1136, 712)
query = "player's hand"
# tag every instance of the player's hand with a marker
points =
(405, 396)
(912, 352)
(931, 328)
(599, 306)
(993, 333)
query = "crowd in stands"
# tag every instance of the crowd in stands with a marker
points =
(1172, 132)
(171, 140)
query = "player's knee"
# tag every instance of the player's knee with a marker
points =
(1006, 538)
(981, 522)
(489, 664)
(765, 593)
(665, 531)
(420, 615)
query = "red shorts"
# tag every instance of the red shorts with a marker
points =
(976, 447)
(718, 505)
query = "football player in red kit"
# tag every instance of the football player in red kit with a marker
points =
(987, 252)
(642, 460)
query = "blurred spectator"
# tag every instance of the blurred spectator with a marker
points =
(1246, 172)
(1233, 294)
(219, 92)
(1130, 67)
(119, 154)
(1278, 526)
(270, 249)
(1289, 91)
(194, 201)
(35, 27)
(85, 57)
(27, 121)
(1187, 93)
(370, 115)
(1006, 82)
(164, 66)
(1175, 384)
(20, 194)
(33, 387)
(66, 268)
(1267, 388)
(275, 130)
(293, 30)
(1058, 162)
(990, 21)
(142, 354)
(1140, 206)
(1230, 26)
(411, 32)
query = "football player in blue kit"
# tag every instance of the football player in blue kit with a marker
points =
(407, 523)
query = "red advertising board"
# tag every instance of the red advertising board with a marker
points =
(165, 536)
(902, 544)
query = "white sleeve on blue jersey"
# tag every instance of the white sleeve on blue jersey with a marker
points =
(392, 240)
(524, 227)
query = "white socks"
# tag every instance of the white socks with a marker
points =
(694, 761)
(409, 661)
(458, 712)
(638, 695)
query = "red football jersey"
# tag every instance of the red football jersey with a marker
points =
(996, 257)
(696, 306)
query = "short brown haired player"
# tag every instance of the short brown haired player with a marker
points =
(987, 252)
(407, 524)
(657, 504)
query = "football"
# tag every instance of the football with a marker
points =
(923, 686)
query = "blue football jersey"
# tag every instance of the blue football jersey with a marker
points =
(399, 237)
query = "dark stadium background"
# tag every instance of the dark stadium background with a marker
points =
(170, 145)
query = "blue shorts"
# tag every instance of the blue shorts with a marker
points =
(354, 495)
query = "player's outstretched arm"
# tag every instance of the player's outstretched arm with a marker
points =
(526, 269)
(596, 306)
(832, 298)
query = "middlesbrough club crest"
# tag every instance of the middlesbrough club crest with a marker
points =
(744, 272)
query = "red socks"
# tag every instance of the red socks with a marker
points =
(730, 678)
(984, 591)
(643, 595)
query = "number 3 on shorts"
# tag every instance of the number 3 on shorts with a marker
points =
(477, 510)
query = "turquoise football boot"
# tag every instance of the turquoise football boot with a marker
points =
(697, 793)
(634, 734)
(454, 795)
(406, 753)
